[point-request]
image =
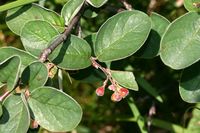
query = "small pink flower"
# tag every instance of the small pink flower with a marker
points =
(100, 91)
(123, 92)
(111, 87)
(116, 97)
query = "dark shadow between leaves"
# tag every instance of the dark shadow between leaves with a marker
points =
(25, 78)
(189, 79)
(5, 117)
(57, 60)
(18, 12)
(151, 47)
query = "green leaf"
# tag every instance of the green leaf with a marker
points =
(7, 52)
(180, 43)
(192, 5)
(9, 72)
(17, 17)
(15, 118)
(70, 9)
(34, 75)
(73, 54)
(91, 41)
(126, 79)
(151, 48)
(54, 110)
(149, 88)
(36, 36)
(189, 86)
(122, 35)
(97, 3)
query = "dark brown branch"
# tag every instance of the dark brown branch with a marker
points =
(126, 5)
(46, 52)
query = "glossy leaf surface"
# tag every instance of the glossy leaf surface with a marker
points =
(97, 3)
(18, 17)
(189, 86)
(25, 57)
(70, 9)
(54, 110)
(151, 48)
(9, 72)
(180, 43)
(34, 75)
(126, 79)
(36, 36)
(122, 35)
(15, 118)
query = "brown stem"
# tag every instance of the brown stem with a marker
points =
(126, 5)
(104, 70)
(46, 52)
(152, 6)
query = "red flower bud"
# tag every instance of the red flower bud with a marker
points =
(100, 91)
(111, 87)
(116, 97)
(123, 92)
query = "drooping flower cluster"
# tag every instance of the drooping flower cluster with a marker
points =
(118, 92)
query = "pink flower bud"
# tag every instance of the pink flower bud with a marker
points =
(100, 91)
(123, 92)
(116, 97)
(111, 87)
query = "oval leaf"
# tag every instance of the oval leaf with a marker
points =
(151, 48)
(97, 3)
(34, 75)
(192, 5)
(17, 17)
(122, 35)
(180, 43)
(70, 9)
(54, 110)
(189, 86)
(9, 72)
(26, 58)
(126, 79)
(36, 36)
(73, 54)
(15, 118)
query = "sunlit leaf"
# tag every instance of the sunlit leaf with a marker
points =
(180, 43)
(34, 75)
(126, 79)
(122, 35)
(189, 86)
(97, 3)
(36, 36)
(9, 72)
(70, 9)
(54, 110)
(25, 57)
(15, 118)
(73, 54)
(17, 17)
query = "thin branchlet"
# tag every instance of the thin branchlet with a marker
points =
(61, 38)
